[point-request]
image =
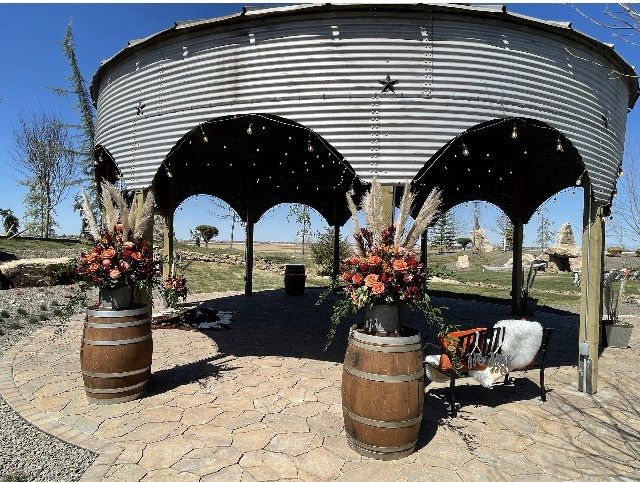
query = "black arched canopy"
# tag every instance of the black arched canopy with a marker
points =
(254, 162)
(514, 163)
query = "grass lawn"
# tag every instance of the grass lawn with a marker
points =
(17, 244)
(204, 277)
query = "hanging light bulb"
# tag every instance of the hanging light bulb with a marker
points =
(465, 150)
(310, 147)
(250, 129)
(205, 139)
(559, 146)
(169, 175)
(514, 133)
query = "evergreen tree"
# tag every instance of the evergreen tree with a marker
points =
(443, 232)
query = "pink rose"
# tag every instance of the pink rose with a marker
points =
(106, 263)
(114, 274)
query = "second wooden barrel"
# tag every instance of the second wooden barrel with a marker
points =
(294, 278)
(116, 354)
(383, 394)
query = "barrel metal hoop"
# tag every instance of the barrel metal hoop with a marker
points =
(143, 310)
(116, 390)
(376, 448)
(387, 340)
(115, 375)
(111, 401)
(126, 341)
(125, 324)
(388, 348)
(385, 378)
(381, 423)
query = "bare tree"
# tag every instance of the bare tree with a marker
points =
(227, 213)
(43, 153)
(505, 230)
(627, 203)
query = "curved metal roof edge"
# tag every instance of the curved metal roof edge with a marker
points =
(494, 12)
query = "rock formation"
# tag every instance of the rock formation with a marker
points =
(462, 262)
(479, 241)
(565, 255)
(24, 273)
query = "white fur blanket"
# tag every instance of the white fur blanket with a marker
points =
(522, 340)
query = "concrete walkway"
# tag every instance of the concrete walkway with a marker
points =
(262, 402)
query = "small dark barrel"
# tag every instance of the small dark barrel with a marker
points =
(383, 394)
(294, 278)
(116, 354)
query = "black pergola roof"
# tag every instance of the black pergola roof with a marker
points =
(514, 163)
(261, 158)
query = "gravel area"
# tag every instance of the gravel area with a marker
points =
(25, 451)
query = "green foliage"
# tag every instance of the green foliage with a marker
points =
(207, 232)
(10, 222)
(15, 477)
(614, 251)
(322, 250)
(301, 216)
(33, 320)
(22, 312)
(464, 242)
(544, 235)
(638, 252)
(5, 314)
(14, 325)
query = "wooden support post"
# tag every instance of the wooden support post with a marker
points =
(593, 239)
(424, 247)
(144, 295)
(517, 275)
(167, 245)
(248, 276)
(387, 204)
(336, 252)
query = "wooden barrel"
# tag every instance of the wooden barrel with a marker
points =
(294, 278)
(116, 354)
(383, 394)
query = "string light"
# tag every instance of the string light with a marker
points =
(465, 150)
(559, 146)
(250, 129)
(205, 139)
(514, 133)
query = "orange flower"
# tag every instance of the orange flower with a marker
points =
(136, 255)
(399, 265)
(357, 279)
(370, 279)
(375, 259)
(346, 276)
(378, 288)
(93, 267)
(114, 274)
(108, 253)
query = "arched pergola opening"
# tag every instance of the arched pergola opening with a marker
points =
(254, 162)
(514, 163)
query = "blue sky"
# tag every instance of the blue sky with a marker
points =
(33, 62)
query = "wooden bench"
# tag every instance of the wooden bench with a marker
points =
(481, 347)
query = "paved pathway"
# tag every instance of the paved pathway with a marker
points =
(262, 402)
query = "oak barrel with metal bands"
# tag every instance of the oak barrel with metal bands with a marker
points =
(294, 278)
(383, 394)
(116, 354)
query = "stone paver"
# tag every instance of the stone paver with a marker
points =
(261, 401)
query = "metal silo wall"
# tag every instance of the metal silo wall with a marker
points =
(322, 70)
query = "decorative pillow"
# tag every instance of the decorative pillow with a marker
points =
(448, 346)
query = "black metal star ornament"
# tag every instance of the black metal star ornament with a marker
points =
(388, 84)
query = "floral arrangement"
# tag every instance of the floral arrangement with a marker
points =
(174, 289)
(116, 260)
(384, 269)
(119, 257)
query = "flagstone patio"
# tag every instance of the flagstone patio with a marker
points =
(261, 401)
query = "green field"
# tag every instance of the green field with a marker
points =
(23, 244)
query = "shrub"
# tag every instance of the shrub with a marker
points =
(43, 307)
(22, 312)
(614, 251)
(5, 314)
(34, 320)
(322, 251)
(638, 252)
(14, 325)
